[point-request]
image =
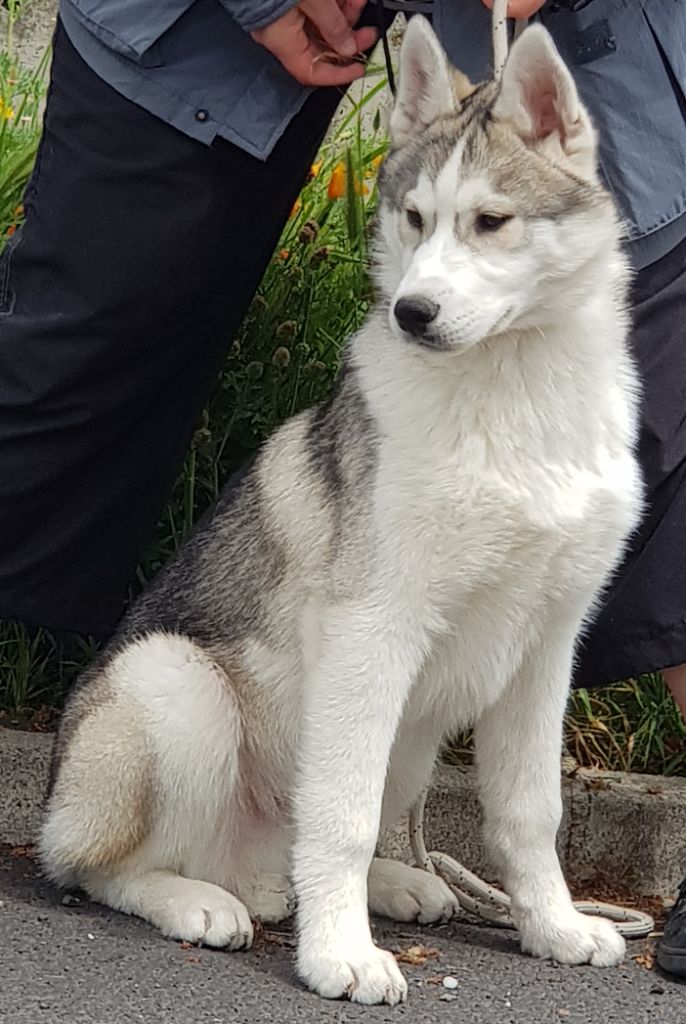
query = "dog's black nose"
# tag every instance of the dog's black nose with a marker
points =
(414, 313)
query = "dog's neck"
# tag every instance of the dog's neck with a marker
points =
(546, 385)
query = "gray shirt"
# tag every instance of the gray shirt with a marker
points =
(193, 63)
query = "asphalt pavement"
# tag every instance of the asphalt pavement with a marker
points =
(77, 963)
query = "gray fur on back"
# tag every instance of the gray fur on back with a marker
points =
(219, 587)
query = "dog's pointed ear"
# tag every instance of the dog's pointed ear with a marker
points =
(539, 100)
(426, 87)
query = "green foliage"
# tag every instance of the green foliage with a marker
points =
(21, 92)
(315, 293)
(634, 726)
(37, 668)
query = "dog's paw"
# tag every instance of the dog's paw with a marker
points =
(269, 899)
(370, 977)
(204, 913)
(408, 894)
(574, 939)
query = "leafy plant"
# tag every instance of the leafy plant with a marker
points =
(21, 92)
(315, 293)
(633, 726)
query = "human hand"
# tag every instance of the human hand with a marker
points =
(519, 8)
(316, 42)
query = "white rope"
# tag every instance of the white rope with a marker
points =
(500, 36)
(492, 905)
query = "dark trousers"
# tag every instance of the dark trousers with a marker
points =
(139, 256)
(119, 296)
(641, 626)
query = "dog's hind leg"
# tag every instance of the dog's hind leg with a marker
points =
(182, 908)
(140, 812)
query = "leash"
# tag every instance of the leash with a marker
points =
(499, 37)
(383, 32)
(473, 894)
(491, 904)
(499, 31)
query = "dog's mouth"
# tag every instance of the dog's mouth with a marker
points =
(430, 340)
(501, 322)
(447, 341)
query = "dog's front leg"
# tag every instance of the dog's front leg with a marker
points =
(518, 746)
(353, 702)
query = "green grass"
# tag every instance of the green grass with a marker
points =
(633, 726)
(21, 92)
(315, 293)
(37, 669)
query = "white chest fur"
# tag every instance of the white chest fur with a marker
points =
(506, 488)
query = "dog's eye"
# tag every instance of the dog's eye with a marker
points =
(414, 219)
(492, 221)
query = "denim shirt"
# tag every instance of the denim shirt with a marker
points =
(193, 63)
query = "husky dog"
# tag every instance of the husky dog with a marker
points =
(414, 556)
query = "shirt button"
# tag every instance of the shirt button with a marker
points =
(201, 115)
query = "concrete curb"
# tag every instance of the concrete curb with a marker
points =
(623, 830)
(629, 830)
(24, 773)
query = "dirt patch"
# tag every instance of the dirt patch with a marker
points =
(40, 719)
(611, 890)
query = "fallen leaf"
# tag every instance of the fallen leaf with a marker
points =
(597, 785)
(646, 958)
(416, 955)
(23, 851)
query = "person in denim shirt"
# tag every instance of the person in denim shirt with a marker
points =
(177, 136)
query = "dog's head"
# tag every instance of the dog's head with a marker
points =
(492, 216)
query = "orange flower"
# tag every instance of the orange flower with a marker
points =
(11, 229)
(316, 168)
(373, 167)
(336, 187)
(284, 254)
(297, 205)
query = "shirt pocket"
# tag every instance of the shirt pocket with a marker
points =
(131, 28)
(629, 62)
